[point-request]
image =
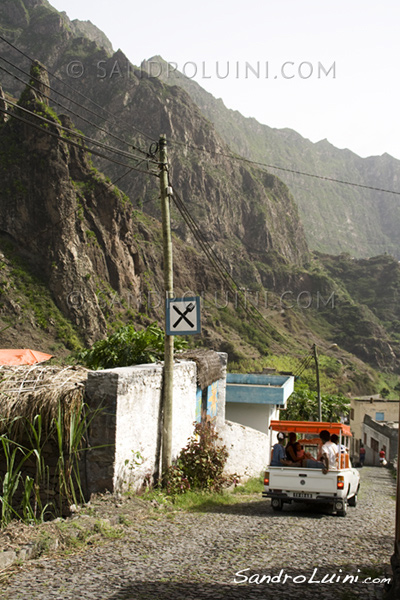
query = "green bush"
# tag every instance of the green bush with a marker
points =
(200, 465)
(128, 346)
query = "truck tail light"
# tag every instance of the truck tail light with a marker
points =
(340, 482)
(266, 478)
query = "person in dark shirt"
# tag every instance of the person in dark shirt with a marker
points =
(290, 448)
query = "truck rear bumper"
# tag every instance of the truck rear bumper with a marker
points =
(323, 499)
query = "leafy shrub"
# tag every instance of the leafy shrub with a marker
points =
(176, 481)
(128, 346)
(200, 465)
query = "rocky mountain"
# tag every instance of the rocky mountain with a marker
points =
(92, 251)
(336, 217)
(72, 229)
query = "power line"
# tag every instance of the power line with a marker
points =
(79, 92)
(268, 166)
(230, 155)
(32, 78)
(304, 365)
(69, 141)
(254, 314)
(79, 135)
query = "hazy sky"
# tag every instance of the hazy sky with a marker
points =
(326, 68)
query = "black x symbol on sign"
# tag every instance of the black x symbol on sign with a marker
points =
(182, 315)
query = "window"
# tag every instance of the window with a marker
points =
(352, 414)
(379, 416)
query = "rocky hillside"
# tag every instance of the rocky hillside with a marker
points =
(95, 251)
(232, 203)
(336, 217)
(82, 237)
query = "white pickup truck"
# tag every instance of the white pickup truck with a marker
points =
(338, 487)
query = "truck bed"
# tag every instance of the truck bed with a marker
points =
(298, 484)
(303, 480)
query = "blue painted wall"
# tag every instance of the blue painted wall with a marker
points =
(258, 389)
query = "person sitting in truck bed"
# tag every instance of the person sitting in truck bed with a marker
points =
(335, 440)
(290, 448)
(278, 451)
(279, 458)
(301, 455)
(327, 455)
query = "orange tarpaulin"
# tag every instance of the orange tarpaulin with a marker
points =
(310, 427)
(22, 357)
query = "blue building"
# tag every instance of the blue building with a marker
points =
(253, 400)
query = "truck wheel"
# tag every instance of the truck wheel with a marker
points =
(353, 500)
(276, 504)
(342, 512)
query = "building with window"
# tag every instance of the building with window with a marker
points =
(376, 408)
(378, 436)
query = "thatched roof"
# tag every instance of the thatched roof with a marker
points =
(209, 365)
(26, 391)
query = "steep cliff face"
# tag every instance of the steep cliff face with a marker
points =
(99, 257)
(251, 209)
(337, 218)
(64, 216)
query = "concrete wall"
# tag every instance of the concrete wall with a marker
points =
(129, 423)
(249, 450)
(360, 407)
(130, 419)
(385, 435)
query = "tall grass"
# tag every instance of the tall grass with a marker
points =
(25, 495)
(11, 480)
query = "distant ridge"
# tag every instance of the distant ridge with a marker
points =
(337, 218)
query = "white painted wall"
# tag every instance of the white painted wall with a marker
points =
(371, 457)
(248, 449)
(131, 397)
(138, 407)
(256, 416)
(129, 421)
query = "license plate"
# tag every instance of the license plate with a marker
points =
(301, 495)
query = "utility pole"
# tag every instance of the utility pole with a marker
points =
(166, 445)
(318, 385)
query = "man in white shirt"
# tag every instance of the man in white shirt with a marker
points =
(329, 451)
(327, 455)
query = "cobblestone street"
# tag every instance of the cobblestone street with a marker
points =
(198, 555)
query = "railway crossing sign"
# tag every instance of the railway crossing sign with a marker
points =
(182, 316)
